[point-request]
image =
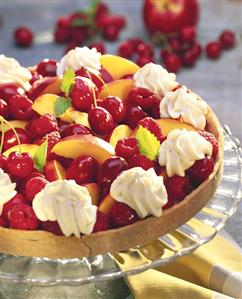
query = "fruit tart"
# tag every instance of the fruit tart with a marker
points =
(99, 155)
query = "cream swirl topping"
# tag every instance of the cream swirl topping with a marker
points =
(67, 203)
(142, 190)
(13, 72)
(181, 149)
(155, 78)
(189, 106)
(80, 57)
(7, 189)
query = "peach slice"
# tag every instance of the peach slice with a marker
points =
(118, 66)
(106, 204)
(94, 191)
(119, 88)
(167, 125)
(46, 104)
(15, 123)
(54, 171)
(77, 145)
(52, 87)
(118, 133)
(25, 148)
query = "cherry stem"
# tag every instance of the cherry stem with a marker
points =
(93, 90)
(3, 120)
(104, 83)
(2, 138)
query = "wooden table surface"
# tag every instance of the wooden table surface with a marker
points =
(218, 82)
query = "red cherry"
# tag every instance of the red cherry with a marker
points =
(8, 90)
(213, 50)
(20, 165)
(127, 147)
(35, 77)
(175, 44)
(100, 120)
(110, 169)
(63, 22)
(39, 127)
(135, 42)
(39, 86)
(188, 34)
(189, 58)
(7, 207)
(34, 186)
(172, 63)
(23, 36)
(70, 46)
(227, 39)
(110, 33)
(3, 163)
(3, 108)
(75, 129)
(200, 170)
(52, 227)
(142, 97)
(139, 160)
(99, 47)
(134, 115)
(83, 170)
(113, 22)
(115, 107)
(20, 107)
(178, 187)
(155, 110)
(196, 49)
(82, 94)
(62, 35)
(47, 68)
(102, 223)
(11, 140)
(144, 49)
(23, 217)
(121, 215)
(164, 53)
(125, 49)
(142, 60)
(77, 34)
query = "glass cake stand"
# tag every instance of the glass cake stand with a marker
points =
(23, 276)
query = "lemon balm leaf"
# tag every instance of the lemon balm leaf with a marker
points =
(61, 105)
(67, 81)
(41, 155)
(148, 143)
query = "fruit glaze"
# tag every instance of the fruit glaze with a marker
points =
(98, 155)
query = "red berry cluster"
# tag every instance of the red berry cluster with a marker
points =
(143, 51)
(80, 26)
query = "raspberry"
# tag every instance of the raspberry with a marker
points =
(22, 216)
(169, 203)
(121, 215)
(139, 160)
(142, 97)
(34, 186)
(52, 227)
(16, 200)
(200, 170)
(127, 147)
(3, 223)
(150, 124)
(41, 126)
(20, 107)
(210, 138)
(102, 222)
(52, 138)
(177, 188)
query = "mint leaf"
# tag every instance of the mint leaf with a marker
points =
(40, 156)
(67, 81)
(148, 143)
(61, 105)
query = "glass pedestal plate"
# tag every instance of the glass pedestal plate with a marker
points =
(100, 276)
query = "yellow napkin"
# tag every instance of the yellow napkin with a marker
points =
(212, 271)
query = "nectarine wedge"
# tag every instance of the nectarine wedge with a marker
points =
(106, 204)
(118, 133)
(94, 191)
(53, 87)
(25, 148)
(118, 66)
(15, 123)
(118, 88)
(77, 145)
(167, 125)
(54, 171)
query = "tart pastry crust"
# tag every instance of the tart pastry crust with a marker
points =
(45, 244)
